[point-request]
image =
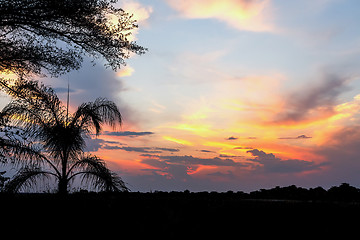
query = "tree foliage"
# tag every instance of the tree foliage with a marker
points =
(47, 141)
(55, 35)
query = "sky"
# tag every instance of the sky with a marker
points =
(232, 95)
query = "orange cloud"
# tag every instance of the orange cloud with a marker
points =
(247, 15)
(140, 13)
(126, 71)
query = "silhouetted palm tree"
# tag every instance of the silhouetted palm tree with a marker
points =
(45, 133)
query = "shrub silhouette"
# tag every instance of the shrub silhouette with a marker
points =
(48, 141)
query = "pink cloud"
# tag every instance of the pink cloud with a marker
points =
(249, 15)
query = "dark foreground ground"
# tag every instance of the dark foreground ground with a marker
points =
(179, 214)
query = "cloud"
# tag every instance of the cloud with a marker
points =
(126, 71)
(170, 171)
(251, 138)
(243, 148)
(231, 138)
(168, 149)
(140, 12)
(63, 90)
(249, 15)
(190, 160)
(271, 164)
(91, 82)
(127, 133)
(341, 150)
(314, 102)
(206, 151)
(148, 149)
(177, 140)
(230, 156)
(94, 144)
(229, 174)
(140, 149)
(181, 167)
(298, 137)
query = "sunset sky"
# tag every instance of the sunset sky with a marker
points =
(232, 95)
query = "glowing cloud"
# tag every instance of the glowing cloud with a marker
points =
(140, 13)
(179, 141)
(249, 15)
(126, 71)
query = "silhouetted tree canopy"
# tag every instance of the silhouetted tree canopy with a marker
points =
(55, 35)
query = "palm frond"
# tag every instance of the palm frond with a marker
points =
(30, 91)
(60, 140)
(94, 114)
(96, 173)
(108, 111)
(36, 100)
(18, 114)
(18, 152)
(26, 177)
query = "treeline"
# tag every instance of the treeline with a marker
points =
(343, 192)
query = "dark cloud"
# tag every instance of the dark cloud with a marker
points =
(206, 151)
(127, 133)
(190, 160)
(228, 174)
(231, 138)
(342, 154)
(140, 149)
(63, 90)
(181, 167)
(148, 149)
(168, 149)
(111, 147)
(91, 82)
(88, 83)
(155, 163)
(94, 144)
(313, 101)
(149, 155)
(173, 171)
(270, 163)
(243, 148)
(229, 156)
(298, 137)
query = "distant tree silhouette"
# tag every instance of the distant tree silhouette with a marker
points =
(48, 141)
(344, 192)
(55, 35)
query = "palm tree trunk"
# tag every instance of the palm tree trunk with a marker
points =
(62, 187)
(63, 181)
